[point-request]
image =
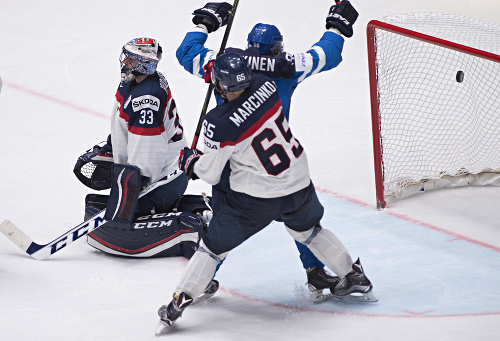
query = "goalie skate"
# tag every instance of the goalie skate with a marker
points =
(355, 286)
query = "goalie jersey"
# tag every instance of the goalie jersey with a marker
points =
(286, 70)
(146, 130)
(252, 133)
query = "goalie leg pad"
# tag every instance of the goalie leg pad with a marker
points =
(159, 235)
(125, 187)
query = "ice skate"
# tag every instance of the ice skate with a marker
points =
(317, 280)
(171, 312)
(355, 286)
(211, 289)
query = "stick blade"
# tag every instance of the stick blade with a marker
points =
(17, 236)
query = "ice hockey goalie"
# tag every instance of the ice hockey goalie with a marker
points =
(167, 234)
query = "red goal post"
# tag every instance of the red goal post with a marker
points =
(435, 103)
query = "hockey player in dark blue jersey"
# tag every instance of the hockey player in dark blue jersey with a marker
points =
(265, 55)
(269, 181)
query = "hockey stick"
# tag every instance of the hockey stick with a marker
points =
(43, 251)
(211, 87)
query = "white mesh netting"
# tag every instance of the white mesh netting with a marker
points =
(431, 125)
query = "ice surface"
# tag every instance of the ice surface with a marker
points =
(433, 258)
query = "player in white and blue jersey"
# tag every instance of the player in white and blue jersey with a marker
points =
(265, 55)
(269, 181)
(146, 131)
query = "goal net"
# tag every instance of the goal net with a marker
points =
(435, 98)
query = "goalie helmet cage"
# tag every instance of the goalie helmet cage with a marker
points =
(435, 103)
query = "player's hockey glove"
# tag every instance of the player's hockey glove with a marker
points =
(213, 15)
(342, 16)
(208, 71)
(187, 159)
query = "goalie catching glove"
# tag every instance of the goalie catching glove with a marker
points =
(187, 159)
(342, 16)
(214, 15)
(93, 168)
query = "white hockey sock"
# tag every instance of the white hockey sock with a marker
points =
(327, 248)
(199, 271)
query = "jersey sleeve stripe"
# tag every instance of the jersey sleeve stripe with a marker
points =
(321, 59)
(124, 116)
(119, 99)
(208, 57)
(147, 131)
(166, 109)
(196, 66)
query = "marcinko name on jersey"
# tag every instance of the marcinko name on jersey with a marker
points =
(145, 102)
(253, 102)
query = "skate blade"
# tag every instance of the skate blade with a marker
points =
(318, 296)
(357, 297)
(203, 297)
(162, 328)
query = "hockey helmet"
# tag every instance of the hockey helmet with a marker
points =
(232, 71)
(140, 56)
(267, 38)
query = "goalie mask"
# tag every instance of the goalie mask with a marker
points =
(140, 56)
(93, 168)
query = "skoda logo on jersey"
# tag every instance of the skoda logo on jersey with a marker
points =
(211, 144)
(145, 102)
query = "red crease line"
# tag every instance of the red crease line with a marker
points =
(54, 99)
